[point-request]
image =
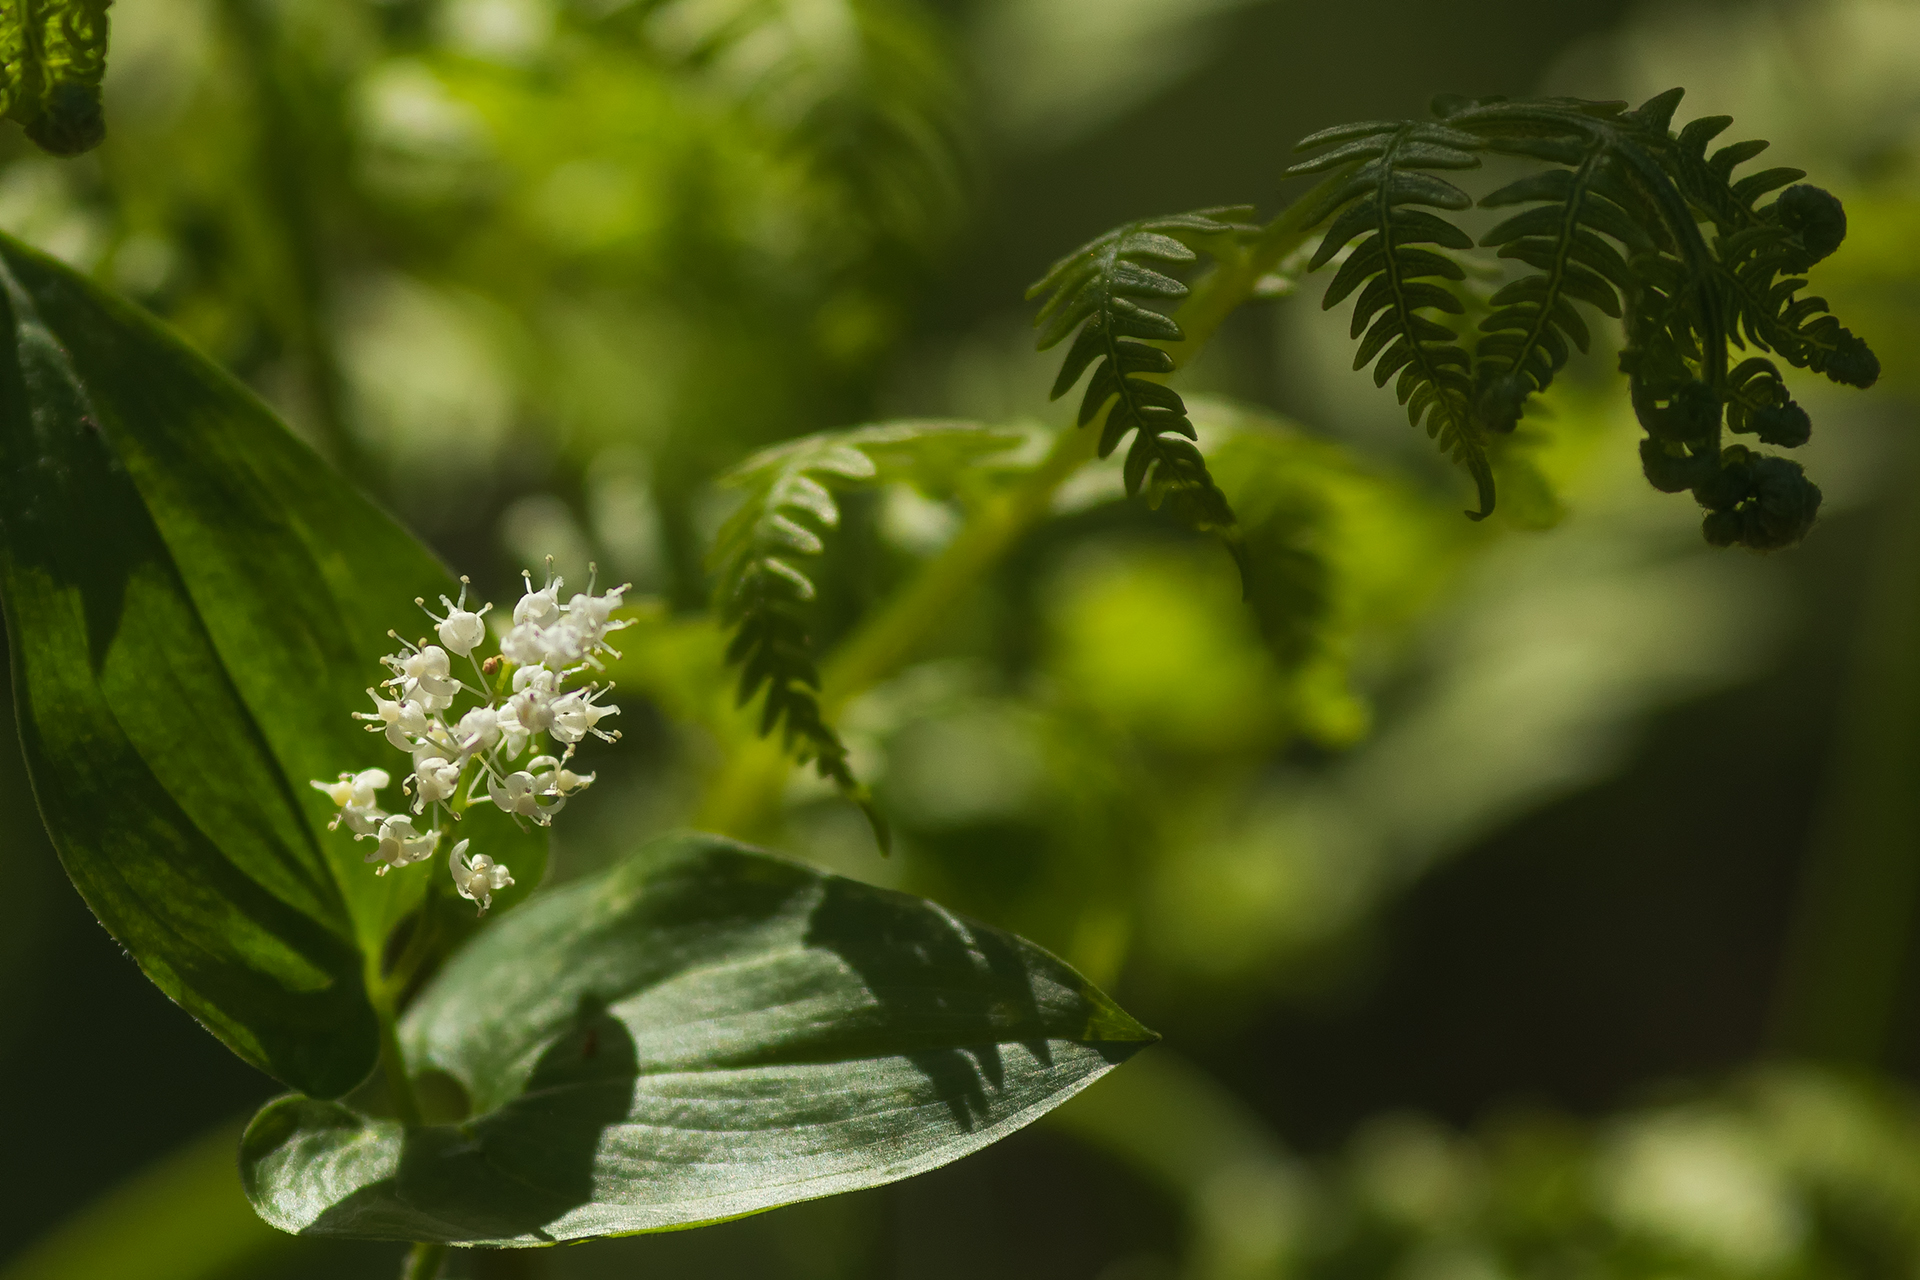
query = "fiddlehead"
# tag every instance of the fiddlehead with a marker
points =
(1103, 290)
(1387, 200)
(762, 590)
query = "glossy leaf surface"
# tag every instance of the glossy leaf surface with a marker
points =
(195, 604)
(702, 1032)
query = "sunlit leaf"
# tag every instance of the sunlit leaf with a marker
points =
(702, 1032)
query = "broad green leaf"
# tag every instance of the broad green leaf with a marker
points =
(702, 1032)
(195, 604)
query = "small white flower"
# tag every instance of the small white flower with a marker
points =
(359, 806)
(462, 629)
(355, 790)
(565, 645)
(427, 670)
(575, 715)
(519, 794)
(514, 736)
(536, 678)
(400, 844)
(532, 709)
(591, 614)
(524, 646)
(401, 721)
(478, 880)
(434, 780)
(478, 730)
(539, 607)
(551, 777)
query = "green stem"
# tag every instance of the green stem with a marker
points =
(891, 638)
(424, 1261)
(406, 1104)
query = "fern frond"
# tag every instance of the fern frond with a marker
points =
(762, 590)
(1386, 203)
(1689, 305)
(1105, 290)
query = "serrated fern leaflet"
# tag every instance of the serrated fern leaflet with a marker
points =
(1386, 204)
(1104, 290)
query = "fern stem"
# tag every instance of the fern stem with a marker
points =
(1230, 285)
(891, 638)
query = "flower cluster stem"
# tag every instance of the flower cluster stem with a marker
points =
(406, 1104)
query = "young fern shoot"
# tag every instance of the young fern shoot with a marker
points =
(530, 691)
(762, 590)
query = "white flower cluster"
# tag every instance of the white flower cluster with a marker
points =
(517, 700)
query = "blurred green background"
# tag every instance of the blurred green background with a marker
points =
(1541, 904)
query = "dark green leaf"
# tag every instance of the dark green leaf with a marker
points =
(195, 605)
(703, 1032)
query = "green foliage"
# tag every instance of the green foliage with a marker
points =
(698, 1033)
(787, 512)
(1099, 294)
(1614, 226)
(193, 607)
(53, 54)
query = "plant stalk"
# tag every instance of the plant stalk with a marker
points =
(424, 1261)
(406, 1103)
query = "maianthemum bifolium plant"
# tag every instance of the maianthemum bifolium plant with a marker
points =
(705, 1030)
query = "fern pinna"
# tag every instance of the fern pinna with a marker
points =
(762, 590)
(1386, 198)
(1103, 290)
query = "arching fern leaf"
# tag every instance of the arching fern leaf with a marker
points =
(1688, 305)
(1386, 205)
(762, 589)
(1623, 216)
(1105, 290)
